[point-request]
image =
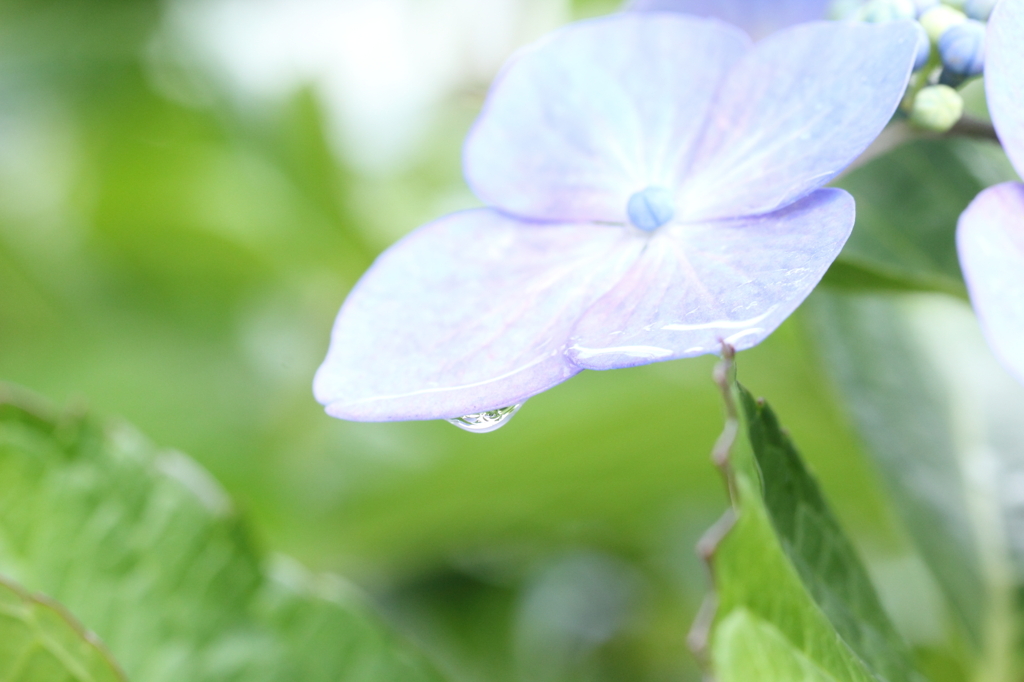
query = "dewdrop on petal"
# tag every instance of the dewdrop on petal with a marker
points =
(937, 108)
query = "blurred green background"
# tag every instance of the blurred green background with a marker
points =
(187, 192)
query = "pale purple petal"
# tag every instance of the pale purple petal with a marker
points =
(469, 313)
(990, 239)
(794, 112)
(1004, 77)
(757, 17)
(697, 286)
(599, 110)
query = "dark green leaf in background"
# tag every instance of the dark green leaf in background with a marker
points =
(40, 642)
(793, 600)
(944, 422)
(143, 546)
(908, 203)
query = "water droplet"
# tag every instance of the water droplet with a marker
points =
(485, 422)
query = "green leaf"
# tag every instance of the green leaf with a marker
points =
(943, 422)
(753, 649)
(329, 632)
(794, 601)
(145, 548)
(908, 204)
(41, 642)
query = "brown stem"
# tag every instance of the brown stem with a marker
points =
(969, 126)
(900, 132)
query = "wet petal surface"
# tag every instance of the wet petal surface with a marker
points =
(990, 240)
(600, 110)
(696, 286)
(469, 313)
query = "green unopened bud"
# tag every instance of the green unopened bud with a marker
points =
(940, 19)
(937, 108)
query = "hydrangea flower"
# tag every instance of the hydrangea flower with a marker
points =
(990, 236)
(654, 183)
(758, 17)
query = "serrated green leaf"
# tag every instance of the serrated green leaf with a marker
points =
(945, 424)
(908, 204)
(40, 642)
(794, 601)
(144, 547)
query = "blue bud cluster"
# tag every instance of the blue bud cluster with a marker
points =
(979, 9)
(951, 50)
(924, 48)
(962, 48)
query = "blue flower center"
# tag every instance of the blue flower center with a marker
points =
(651, 208)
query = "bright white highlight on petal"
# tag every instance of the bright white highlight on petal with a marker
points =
(739, 324)
(643, 353)
(990, 240)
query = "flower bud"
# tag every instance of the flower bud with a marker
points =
(979, 9)
(940, 19)
(937, 108)
(651, 208)
(924, 48)
(881, 11)
(962, 48)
